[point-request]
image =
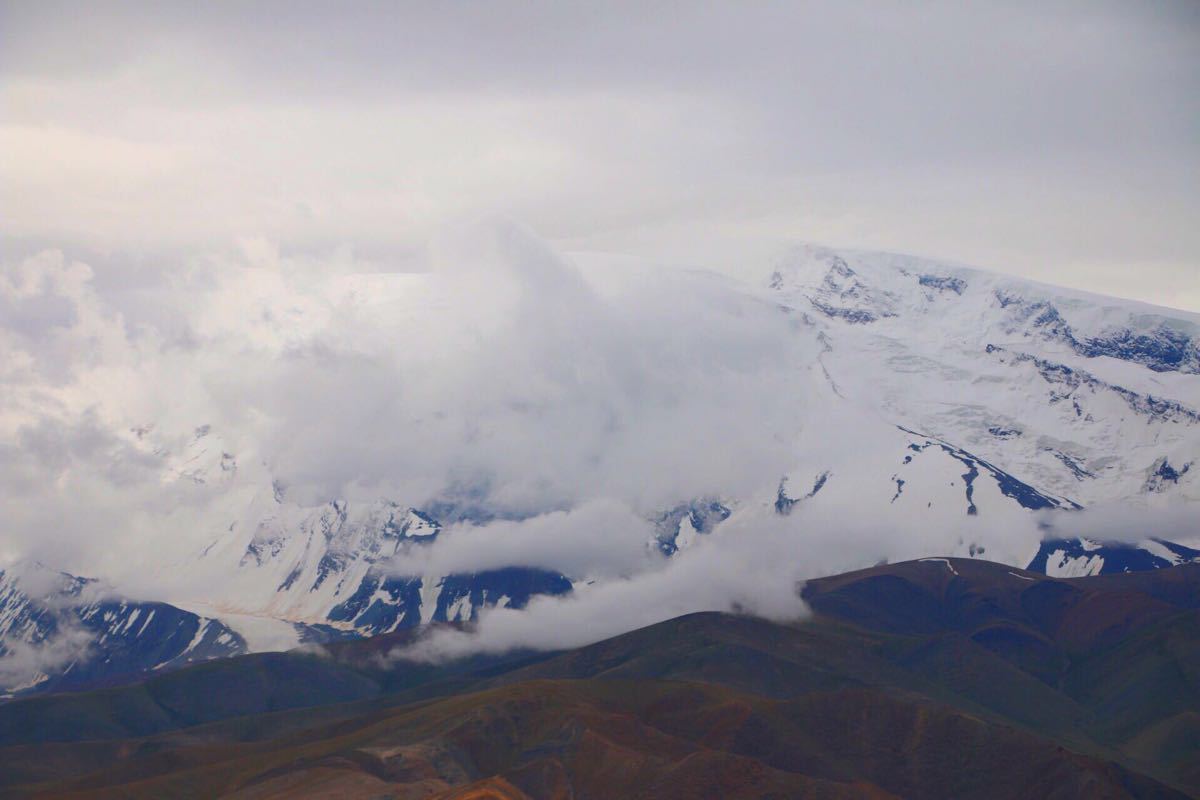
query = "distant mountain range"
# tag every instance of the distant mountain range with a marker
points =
(942, 677)
(935, 393)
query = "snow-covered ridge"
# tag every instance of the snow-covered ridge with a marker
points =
(1079, 395)
(59, 630)
(1076, 558)
(864, 288)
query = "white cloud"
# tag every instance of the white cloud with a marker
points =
(754, 569)
(1173, 521)
(26, 663)
(506, 377)
(754, 563)
(599, 539)
(985, 135)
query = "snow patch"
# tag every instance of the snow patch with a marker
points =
(1061, 565)
(945, 561)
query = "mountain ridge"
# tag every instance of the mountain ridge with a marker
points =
(809, 706)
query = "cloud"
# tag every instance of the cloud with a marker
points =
(1122, 522)
(631, 129)
(25, 663)
(503, 377)
(747, 568)
(600, 538)
(510, 377)
(46, 636)
(754, 563)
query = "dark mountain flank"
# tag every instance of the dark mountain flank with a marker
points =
(927, 679)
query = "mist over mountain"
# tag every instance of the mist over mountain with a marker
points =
(562, 447)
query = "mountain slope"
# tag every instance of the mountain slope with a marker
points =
(59, 631)
(913, 680)
(1079, 395)
(1073, 558)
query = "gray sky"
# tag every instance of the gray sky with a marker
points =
(1053, 140)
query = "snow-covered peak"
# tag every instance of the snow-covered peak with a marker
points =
(1085, 396)
(862, 288)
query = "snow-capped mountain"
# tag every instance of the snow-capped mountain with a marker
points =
(1084, 397)
(937, 393)
(58, 631)
(931, 397)
(1075, 558)
(329, 565)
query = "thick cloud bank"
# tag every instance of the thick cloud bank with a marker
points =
(752, 568)
(757, 562)
(503, 378)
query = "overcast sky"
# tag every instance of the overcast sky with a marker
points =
(1057, 141)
